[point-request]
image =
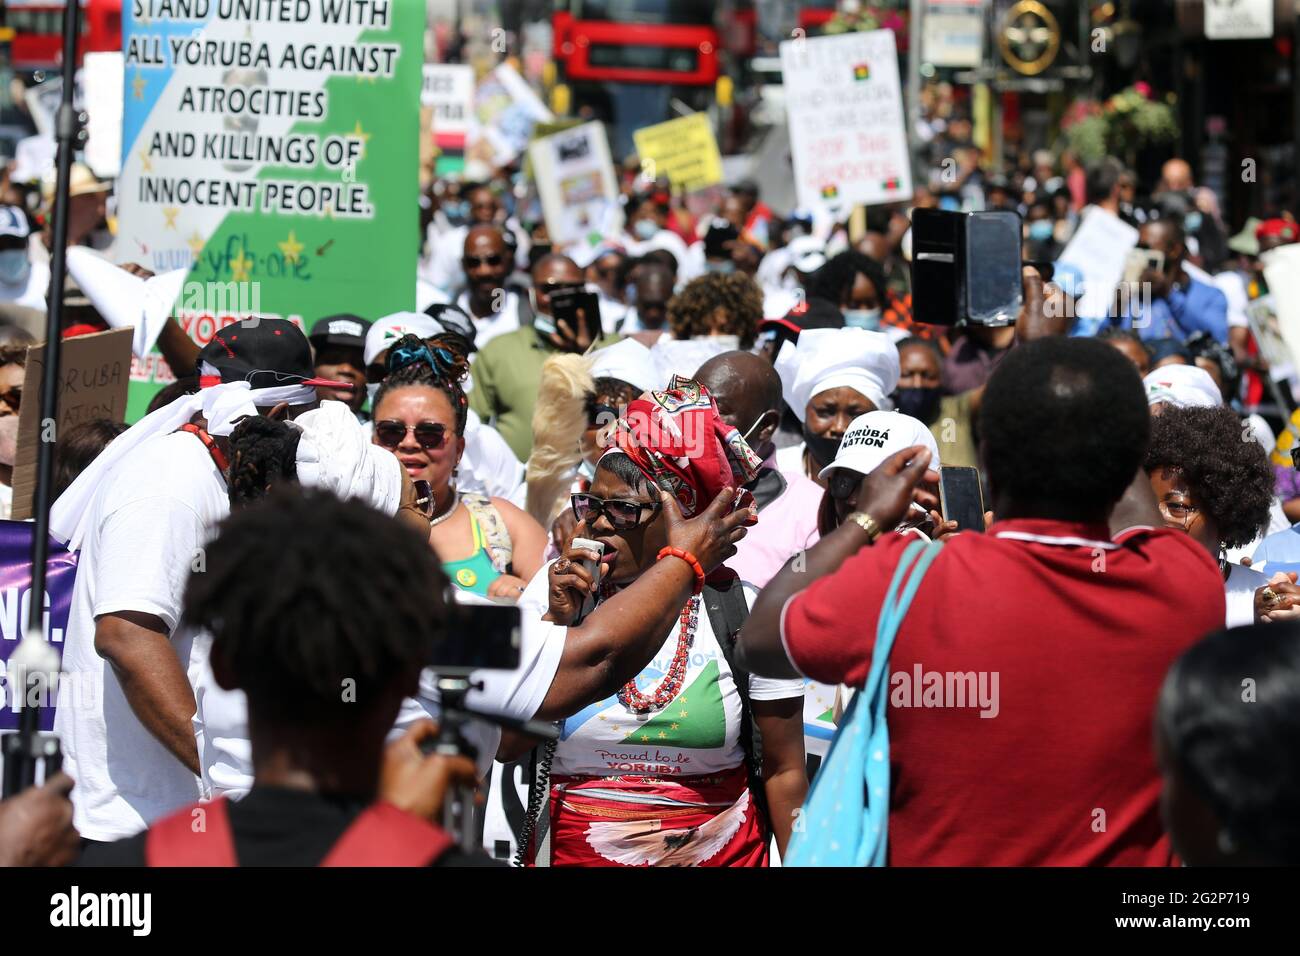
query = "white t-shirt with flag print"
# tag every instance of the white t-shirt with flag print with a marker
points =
(697, 733)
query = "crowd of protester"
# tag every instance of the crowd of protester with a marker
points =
(750, 424)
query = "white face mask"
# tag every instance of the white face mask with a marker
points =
(862, 318)
(372, 389)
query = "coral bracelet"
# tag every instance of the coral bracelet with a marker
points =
(689, 559)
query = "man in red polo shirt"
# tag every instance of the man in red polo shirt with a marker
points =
(1023, 678)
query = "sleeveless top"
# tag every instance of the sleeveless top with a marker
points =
(492, 548)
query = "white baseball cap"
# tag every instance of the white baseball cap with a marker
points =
(873, 437)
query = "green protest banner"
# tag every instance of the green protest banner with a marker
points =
(271, 149)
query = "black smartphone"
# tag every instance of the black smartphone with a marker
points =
(720, 233)
(961, 497)
(966, 267)
(477, 637)
(994, 287)
(577, 309)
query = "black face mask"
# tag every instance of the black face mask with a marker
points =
(920, 403)
(823, 449)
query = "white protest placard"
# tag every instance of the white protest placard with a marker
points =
(449, 91)
(1099, 249)
(102, 73)
(575, 182)
(1282, 273)
(848, 132)
(505, 111)
(1238, 19)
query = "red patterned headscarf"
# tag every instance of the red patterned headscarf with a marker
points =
(679, 441)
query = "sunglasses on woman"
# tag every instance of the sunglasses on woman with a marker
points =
(623, 515)
(430, 435)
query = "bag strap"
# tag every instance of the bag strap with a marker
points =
(493, 529)
(724, 601)
(173, 840)
(218, 456)
(912, 567)
(384, 835)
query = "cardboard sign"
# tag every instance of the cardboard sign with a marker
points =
(685, 150)
(575, 180)
(272, 149)
(1098, 249)
(94, 373)
(848, 131)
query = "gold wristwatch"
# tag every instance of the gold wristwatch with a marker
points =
(866, 523)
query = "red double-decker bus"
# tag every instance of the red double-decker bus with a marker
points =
(633, 63)
(37, 42)
(813, 14)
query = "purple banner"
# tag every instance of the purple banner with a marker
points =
(15, 594)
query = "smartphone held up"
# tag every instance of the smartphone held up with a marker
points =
(966, 267)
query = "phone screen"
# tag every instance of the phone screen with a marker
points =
(478, 637)
(993, 282)
(565, 307)
(961, 497)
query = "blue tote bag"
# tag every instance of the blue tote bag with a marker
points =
(845, 820)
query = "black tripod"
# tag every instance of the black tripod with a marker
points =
(453, 687)
(34, 665)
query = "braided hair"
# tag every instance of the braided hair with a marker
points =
(298, 628)
(263, 454)
(441, 363)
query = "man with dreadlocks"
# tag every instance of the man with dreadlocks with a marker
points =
(140, 515)
(325, 657)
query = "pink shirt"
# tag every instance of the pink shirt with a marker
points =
(785, 527)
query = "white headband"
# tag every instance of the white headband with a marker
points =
(222, 406)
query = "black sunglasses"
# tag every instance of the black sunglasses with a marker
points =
(623, 515)
(550, 288)
(430, 435)
(495, 259)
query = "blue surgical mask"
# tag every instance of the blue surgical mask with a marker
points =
(629, 293)
(725, 267)
(645, 228)
(862, 318)
(1192, 221)
(1040, 230)
(14, 266)
(372, 389)
(587, 470)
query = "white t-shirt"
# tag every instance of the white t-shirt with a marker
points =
(498, 323)
(148, 525)
(1239, 592)
(697, 733)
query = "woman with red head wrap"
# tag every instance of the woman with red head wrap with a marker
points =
(663, 772)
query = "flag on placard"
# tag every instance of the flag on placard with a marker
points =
(862, 72)
(830, 191)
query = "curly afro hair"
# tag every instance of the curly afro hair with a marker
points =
(1225, 468)
(717, 304)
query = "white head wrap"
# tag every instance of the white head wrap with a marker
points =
(1183, 386)
(823, 359)
(628, 361)
(335, 454)
(221, 405)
